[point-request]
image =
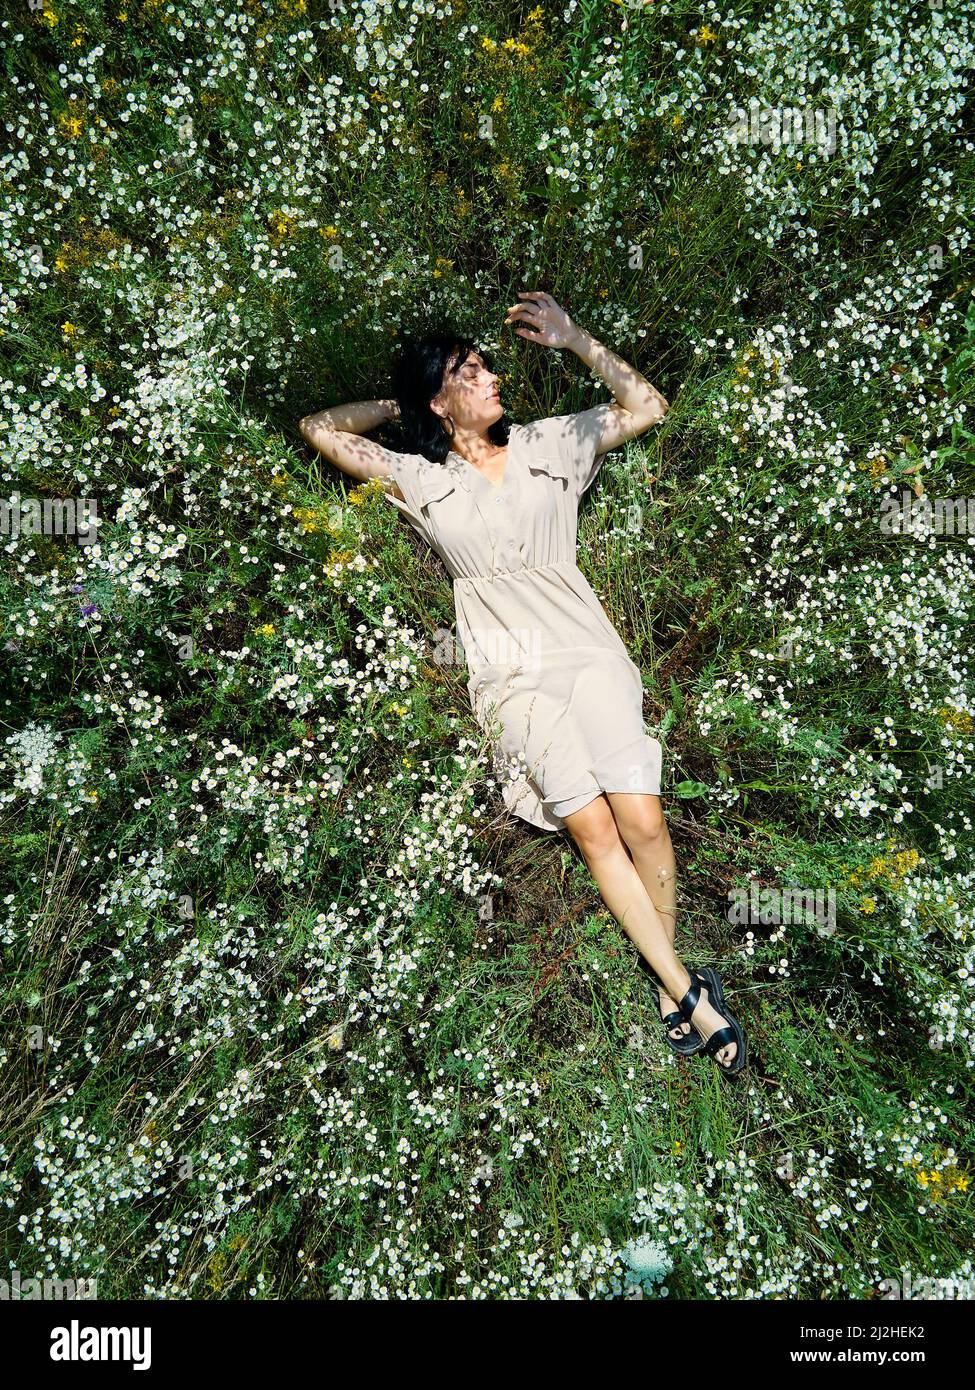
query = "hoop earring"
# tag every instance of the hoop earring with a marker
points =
(449, 432)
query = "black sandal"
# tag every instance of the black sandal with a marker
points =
(688, 1043)
(709, 978)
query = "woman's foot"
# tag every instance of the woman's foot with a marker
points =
(707, 1020)
(669, 1006)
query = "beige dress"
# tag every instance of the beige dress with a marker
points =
(550, 680)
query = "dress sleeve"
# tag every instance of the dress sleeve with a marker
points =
(406, 470)
(575, 439)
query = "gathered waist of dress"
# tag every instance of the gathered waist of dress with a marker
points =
(512, 574)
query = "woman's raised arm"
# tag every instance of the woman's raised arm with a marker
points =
(337, 434)
(637, 406)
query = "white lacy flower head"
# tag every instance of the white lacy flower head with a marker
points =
(30, 751)
(647, 1258)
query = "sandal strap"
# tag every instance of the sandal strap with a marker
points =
(674, 1020)
(720, 1039)
(690, 1000)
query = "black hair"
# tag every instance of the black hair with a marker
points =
(417, 377)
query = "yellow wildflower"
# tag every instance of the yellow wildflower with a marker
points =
(956, 719)
(281, 224)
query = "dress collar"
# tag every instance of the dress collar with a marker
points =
(461, 470)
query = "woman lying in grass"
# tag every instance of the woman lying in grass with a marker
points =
(499, 503)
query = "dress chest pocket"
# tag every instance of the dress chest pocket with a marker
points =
(550, 488)
(550, 465)
(436, 485)
(443, 506)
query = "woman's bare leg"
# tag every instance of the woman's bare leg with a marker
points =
(643, 829)
(595, 831)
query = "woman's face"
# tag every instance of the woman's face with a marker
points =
(470, 395)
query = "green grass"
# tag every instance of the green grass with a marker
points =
(292, 1008)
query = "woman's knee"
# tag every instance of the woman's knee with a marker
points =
(594, 828)
(639, 818)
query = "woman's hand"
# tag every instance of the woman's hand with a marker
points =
(549, 324)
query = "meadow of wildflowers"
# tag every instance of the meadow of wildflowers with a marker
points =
(291, 1007)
